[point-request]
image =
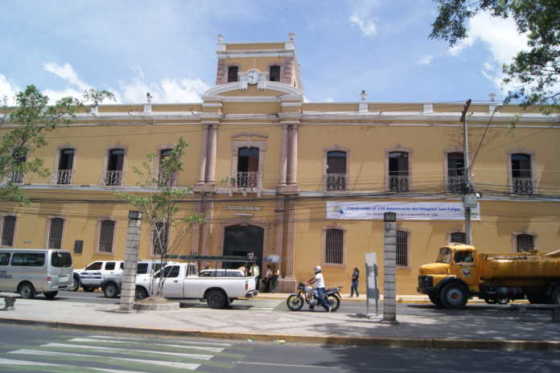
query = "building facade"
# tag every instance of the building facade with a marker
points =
(295, 182)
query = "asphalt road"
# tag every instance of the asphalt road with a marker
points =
(41, 349)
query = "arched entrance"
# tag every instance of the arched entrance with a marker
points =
(240, 240)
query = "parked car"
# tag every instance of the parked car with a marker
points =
(91, 277)
(33, 271)
(182, 281)
(111, 285)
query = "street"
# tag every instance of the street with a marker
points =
(42, 349)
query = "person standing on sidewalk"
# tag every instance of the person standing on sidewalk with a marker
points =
(355, 282)
(319, 282)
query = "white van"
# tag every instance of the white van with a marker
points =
(33, 271)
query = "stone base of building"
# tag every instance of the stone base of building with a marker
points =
(286, 285)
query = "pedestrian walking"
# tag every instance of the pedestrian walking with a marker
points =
(355, 282)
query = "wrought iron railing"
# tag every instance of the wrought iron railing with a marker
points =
(16, 177)
(398, 184)
(456, 184)
(523, 185)
(113, 177)
(336, 182)
(64, 177)
(247, 180)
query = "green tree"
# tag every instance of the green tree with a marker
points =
(160, 208)
(23, 129)
(536, 69)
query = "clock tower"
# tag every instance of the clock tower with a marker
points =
(257, 63)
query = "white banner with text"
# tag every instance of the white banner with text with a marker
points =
(404, 210)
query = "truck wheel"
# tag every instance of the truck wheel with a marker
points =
(140, 293)
(51, 294)
(76, 283)
(454, 295)
(294, 302)
(110, 290)
(216, 299)
(26, 290)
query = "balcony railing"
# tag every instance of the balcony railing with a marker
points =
(456, 184)
(113, 177)
(522, 185)
(398, 184)
(16, 177)
(247, 180)
(336, 182)
(64, 177)
(164, 180)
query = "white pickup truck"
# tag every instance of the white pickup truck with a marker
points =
(182, 281)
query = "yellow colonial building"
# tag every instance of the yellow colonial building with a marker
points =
(295, 182)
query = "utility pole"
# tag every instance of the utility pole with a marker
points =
(469, 197)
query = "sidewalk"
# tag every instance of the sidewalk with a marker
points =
(478, 327)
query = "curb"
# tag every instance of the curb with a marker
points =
(401, 342)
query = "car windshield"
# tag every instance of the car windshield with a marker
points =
(444, 255)
(59, 259)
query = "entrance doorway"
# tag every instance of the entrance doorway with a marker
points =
(240, 240)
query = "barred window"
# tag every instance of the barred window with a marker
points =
(334, 245)
(8, 230)
(55, 233)
(459, 237)
(525, 242)
(402, 248)
(274, 73)
(106, 236)
(233, 74)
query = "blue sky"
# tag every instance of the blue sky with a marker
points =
(168, 47)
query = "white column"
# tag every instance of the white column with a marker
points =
(128, 287)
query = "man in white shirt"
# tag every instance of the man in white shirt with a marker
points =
(319, 282)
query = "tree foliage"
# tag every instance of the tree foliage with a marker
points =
(23, 132)
(160, 208)
(535, 69)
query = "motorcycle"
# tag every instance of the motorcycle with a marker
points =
(306, 294)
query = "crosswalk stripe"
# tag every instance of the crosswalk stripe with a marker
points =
(187, 343)
(170, 364)
(13, 362)
(109, 349)
(201, 348)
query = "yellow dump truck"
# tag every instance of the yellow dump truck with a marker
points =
(460, 272)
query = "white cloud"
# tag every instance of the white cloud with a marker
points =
(166, 90)
(67, 73)
(426, 60)
(8, 91)
(362, 16)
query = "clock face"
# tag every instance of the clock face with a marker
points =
(252, 76)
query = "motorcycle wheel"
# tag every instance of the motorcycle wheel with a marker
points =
(334, 301)
(294, 302)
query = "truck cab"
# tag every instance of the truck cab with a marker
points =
(453, 278)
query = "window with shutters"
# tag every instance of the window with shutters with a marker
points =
(402, 248)
(65, 166)
(8, 230)
(455, 172)
(525, 242)
(115, 164)
(336, 170)
(160, 236)
(55, 233)
(459, 237)
(521, 175)
(106, 235)
(334, 246)
(274, 73)
(398, 172)
(233, 74)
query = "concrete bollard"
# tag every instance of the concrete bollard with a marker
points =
(389, 268)
(128, 283)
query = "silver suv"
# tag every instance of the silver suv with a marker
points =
(91, 277)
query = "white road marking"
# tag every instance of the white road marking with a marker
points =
(285, 365)
(170, 364)
(98, 340)
(116, 349)
(201, 343)
(43, 364)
